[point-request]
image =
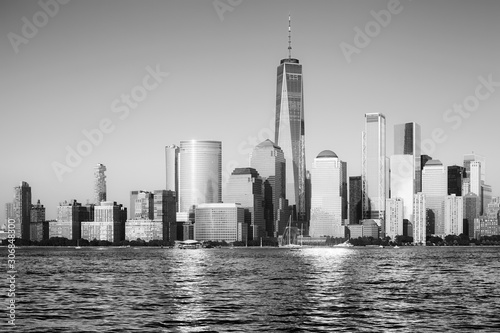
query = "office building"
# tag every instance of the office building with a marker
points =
(404, 181)
(471, 211)
(355, 198)
(327, 199)
(394, 209)
(290, 130)
(220, 222)
(374, 168)
(172, 170)
(269, 161)
(99, 184)
(39, 231)
(456, 175)
(486, 226)
(146, 230)
(407, 141)
(485, 198)
(469, 158)
(245, 188)
(200, 173)
(70, 216)
(165, 203)
(37, 213)
(435, 188)
(108, 225)
(453, 215)
(22, 210)
(143, 205)
(419, 219)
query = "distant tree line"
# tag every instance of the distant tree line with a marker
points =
(62, 241)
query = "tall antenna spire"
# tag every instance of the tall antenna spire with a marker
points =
(289, 36)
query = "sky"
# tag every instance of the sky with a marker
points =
(207, 70)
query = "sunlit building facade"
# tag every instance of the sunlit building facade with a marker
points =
(435, 188)
(200, 173)
(374, 169)
(419, 219)
(109, 223)
(394, 209)
(403, 181)
(220, 222)
(327, 200)
(453, 215)
(290, 131)
(407, 141)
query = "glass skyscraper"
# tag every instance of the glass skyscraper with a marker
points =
(245, 187)
(269, 161)
(374, 169)
(327, 199)
(289, 130)
(22, 209)
(200, 173)
(407, 141)
(435, 188)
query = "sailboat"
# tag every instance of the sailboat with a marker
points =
(290, 245)
(78, 244)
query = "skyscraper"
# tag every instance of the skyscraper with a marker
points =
(471, 211)
(327, 200)
(394, 217)
(172, 171)
(453, 215)
(456, 174)
(269, 161)
(164, 210)
(407, 141)
(468, 158)
(403, 181)
(289, 129)
(200, 173)
(99, 184)
(245, 187)
(374, 168)
(355, 197)
(435, 188)
(419, 219)
(22, 209)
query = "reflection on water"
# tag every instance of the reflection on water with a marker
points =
(257, 290)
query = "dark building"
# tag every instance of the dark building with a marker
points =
(22, 210)
(165, 206)
(455, 176)
(355, 197)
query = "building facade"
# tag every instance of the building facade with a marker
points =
(172, 170)
(220, 222)
(109, 223)
(245, 188)
(419, 219)
(99, 184)
(394, 217)
(327, 200)
(456, 174)
(453, 215)
(471, 211)
(435, 188)
(290, 132)
(355, 200)
(200, 173)
(269, 161)
(22, 210)
(374, 169)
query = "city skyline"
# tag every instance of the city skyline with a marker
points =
(376, 80)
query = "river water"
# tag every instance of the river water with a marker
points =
(433, 289)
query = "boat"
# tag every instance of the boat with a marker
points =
(290, 245)
(344, 244)
(396, 247)
(189, 244)
(78, 244)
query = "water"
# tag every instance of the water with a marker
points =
(446, 289)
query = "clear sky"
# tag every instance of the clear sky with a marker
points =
(68, 75)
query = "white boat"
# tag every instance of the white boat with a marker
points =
(396, 247)
(344, 244)
(289, 244)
